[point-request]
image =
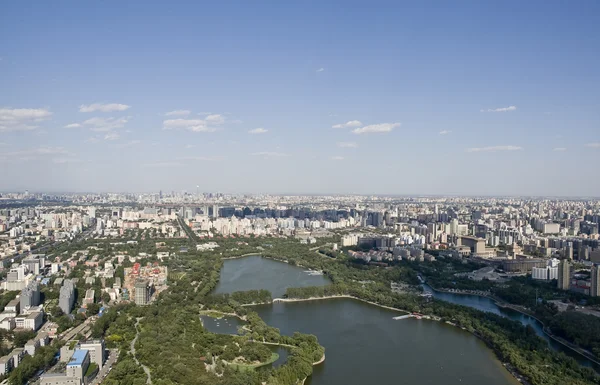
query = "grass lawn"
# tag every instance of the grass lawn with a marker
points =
(274, 357)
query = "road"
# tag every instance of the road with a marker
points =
(102, 373)
(132, 350)
(185, 228)
(78, 329)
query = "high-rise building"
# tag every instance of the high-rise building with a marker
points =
(564, 275)
(66, 297)
(595, 284)
(142, 292)
(30, 296)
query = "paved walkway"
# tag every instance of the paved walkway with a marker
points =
(132, 350)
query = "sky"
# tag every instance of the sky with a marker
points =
(322, 97)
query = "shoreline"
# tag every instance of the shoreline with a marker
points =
(270, 258)
(314, 364)
(339, 296)
(505, 305)
(507, 366)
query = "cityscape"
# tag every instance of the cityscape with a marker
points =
(70, 261)
(299, 193)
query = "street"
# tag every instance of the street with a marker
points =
(102, 373)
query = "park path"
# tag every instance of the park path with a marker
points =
(132, 350)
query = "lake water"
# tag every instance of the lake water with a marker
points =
(255, 272)
(363, 344)
(488, 305)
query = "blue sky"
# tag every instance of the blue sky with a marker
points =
(432, 97)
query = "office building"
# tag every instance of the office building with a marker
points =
(142, 292)
(32, 321)
(6, 364)
(78, 364)
(564, 275)
(17, 355)
(13, 306)
(96, 350)
(30, 296)
(522, 265)
(547, 273)
(477, 245)
(67, 296)
(58, 379)
(31, 346)
(34, 265)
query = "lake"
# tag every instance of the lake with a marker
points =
(255, 272)
(488, 305)
(363, 344)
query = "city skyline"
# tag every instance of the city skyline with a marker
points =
(473, 100)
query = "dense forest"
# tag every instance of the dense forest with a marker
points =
(580, 329)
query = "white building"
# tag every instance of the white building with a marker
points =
(547, 273)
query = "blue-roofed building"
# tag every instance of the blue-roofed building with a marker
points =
(78, 364)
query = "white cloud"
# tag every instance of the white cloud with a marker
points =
(91, 140)
(178, 113)
(73, 125)
(494, 149)
(215, 119)
(195, 125)
(204, 113)
(375, 128)
(268, 154)
(559, 149)
(164, 164)
(593, 145)
(109, 107)
(321, 69)
(349, 124)
(22, 119)
(337, 158)
(258, 131)
(347, 144)
(445, 132)
(106, 124)
(111, 136)
(501, 109)
(190, 145)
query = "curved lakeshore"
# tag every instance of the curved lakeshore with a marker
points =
(351, 327)
(581, 355)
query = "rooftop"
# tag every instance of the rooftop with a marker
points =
(78, 357)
